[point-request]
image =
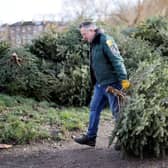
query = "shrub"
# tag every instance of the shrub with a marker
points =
(65, 57)
(143, 126)
(135, 51)
(54, 67)
(23, 77)
(155, 31)
(3, 47)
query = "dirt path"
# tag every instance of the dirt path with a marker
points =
(71, 155)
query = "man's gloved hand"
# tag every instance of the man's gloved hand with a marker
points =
(125, 84)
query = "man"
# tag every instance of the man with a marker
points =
(106, 69)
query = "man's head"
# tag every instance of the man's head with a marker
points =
(88, 31)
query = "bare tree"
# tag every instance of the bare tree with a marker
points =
(155, 7)
(127, 14)
(114, 11)
(131, 14)
(87, 9)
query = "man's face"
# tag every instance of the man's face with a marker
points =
(87, 34)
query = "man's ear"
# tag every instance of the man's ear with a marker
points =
(93, 30)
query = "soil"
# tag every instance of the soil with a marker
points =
(68, 154)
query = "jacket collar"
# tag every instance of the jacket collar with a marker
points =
(96, 39)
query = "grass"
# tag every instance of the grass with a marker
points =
(24, 120)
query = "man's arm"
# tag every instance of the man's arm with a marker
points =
(111, 50)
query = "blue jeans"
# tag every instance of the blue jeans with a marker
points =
(98, 102)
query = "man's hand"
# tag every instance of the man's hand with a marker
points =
(115, 91)
(125, 84)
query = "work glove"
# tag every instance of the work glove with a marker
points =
(125, 84)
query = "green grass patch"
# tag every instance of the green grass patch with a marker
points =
(23, 120)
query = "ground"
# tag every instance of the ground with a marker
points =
(68, 154)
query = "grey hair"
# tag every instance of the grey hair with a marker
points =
(88, 25)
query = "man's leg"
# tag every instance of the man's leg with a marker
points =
(97, 104)
(115, 108)
(114, 101)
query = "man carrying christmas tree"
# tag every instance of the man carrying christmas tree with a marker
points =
(106, 69)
